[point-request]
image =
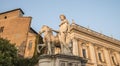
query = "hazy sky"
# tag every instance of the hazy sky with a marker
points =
(100, 15)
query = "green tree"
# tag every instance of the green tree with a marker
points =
(28, 61)
(8, 53)
(9, 56)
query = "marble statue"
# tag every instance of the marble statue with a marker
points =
(61, 43)
(64, 34)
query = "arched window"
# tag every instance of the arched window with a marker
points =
(100, 54)
(1, 29)
(84, 53)
(100, 57)
(30, 44)
(114, 59)
(85, 50)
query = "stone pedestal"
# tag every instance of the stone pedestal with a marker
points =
(61, 60)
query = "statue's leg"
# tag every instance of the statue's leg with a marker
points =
(53, 48)
(62, 48)
(62, 42)
(49, 48)
(38, 50)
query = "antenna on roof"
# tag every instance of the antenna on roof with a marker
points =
(73, 22)
(101, 31)
(111, 36)
(88, 27)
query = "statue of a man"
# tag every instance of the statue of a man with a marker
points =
(64, 29)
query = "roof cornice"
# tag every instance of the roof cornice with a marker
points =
(94, 33)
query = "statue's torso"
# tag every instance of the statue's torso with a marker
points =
(64, 26)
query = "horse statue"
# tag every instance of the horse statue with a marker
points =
(50, 41)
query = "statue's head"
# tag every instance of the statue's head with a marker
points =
(62, 17)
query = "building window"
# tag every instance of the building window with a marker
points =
(76, 64)
(84, 53)
(100, 57)
(30, 44)
(5, 17)
(113, 60)
(62, 64)
(69, 64)
(1, 29)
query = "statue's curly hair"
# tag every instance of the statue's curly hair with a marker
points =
(63, 16)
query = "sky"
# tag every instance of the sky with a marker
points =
(99, 15)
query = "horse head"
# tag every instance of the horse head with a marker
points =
(44, 29)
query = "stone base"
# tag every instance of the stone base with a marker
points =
(61, 60)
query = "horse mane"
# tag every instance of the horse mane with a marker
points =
(50, 29)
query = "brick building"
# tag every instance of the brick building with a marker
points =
(16, 28)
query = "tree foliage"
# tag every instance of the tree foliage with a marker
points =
(28, 61)
(8, 53)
